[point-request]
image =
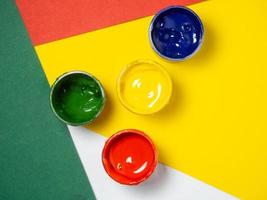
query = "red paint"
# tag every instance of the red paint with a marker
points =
(50, 20)
(129, 157)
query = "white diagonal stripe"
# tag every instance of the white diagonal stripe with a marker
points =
(165, 183)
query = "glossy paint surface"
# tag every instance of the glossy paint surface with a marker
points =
(176, 33)
(129, 157)
(144, 87)
(77, 98)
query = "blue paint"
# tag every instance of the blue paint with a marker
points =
(176, 33)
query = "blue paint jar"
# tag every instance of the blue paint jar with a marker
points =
(176, 33)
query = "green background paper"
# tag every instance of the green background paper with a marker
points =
(38, 160)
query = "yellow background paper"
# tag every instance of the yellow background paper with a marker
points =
(215, 127)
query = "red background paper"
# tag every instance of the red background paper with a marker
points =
(49, 20)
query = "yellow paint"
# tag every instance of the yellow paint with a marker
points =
(215, 127)
(144, 87)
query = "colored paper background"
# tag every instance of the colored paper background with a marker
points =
(37, 157)
(215, 127)
(51, 20)
(164, 183)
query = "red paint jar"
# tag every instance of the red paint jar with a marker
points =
(129, 157)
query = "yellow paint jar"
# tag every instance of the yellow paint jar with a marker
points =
(144, 87)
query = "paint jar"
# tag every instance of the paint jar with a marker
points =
(176, 33)
(129, 157)
(144, 87)
(77, 98)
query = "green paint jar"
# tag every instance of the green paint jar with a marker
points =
(77, 98)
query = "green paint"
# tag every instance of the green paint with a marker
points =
(77, 98)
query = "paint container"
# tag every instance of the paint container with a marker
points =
(129, 157)
(77, 98)
(176, 33)
(144, 87)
